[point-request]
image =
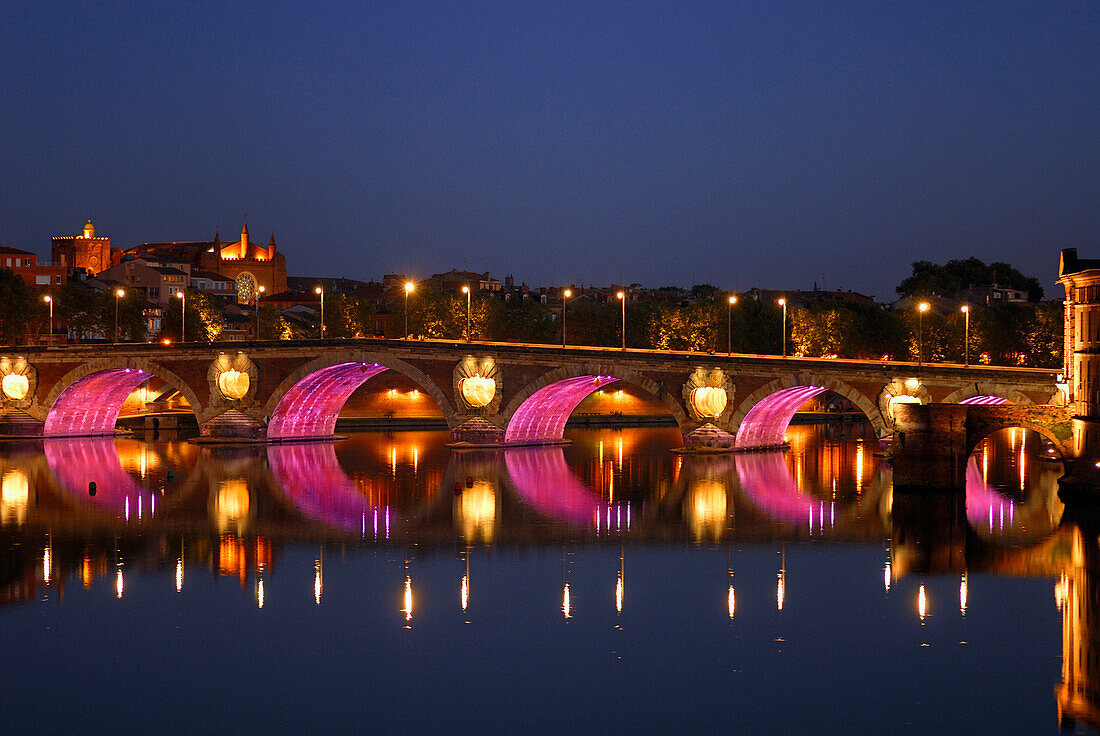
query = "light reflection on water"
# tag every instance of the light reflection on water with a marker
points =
(392, 537)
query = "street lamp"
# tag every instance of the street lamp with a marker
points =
(118, 294)
(622, 298)
(965, 309)
(409, 286)
(729, 326)
(783, 303)
(564, 295)
(466, 291)
(49, 300)
(321, 290)
(256, 306)
(183, 315)
(921, 309)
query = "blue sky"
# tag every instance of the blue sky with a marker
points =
(769, 144)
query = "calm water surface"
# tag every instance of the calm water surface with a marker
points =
(610, 586)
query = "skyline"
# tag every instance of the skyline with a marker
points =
(767, 145)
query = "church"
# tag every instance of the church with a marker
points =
(248, 263)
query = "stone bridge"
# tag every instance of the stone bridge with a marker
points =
(488, 393)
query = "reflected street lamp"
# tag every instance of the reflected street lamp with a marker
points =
(49, 300)
(622, 298)
(729, 326)
(965, 309)
(119, 293)
(183, 315)
(921, 309)
(409, 286)
(466, 291)
(783, 303)
(564, 295)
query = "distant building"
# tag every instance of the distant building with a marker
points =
(26, 266)
(993, 295)
(214, 283)
(453, 281)
(89, 252)
(249, 264)
(158, 283)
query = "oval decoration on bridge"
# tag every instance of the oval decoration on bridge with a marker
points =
(18, 382)
(709, 401)
(477, 385)
(478, 391)
(233, 384)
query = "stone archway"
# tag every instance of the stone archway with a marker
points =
(763, 417)
(538, 413)
(987, 393)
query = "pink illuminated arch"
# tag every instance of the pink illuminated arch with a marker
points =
(90, 405)
(767, 422)
(985, 401)
(542, 417)
(313, 480)
(544, 481)
(310, 408)
(984, 505)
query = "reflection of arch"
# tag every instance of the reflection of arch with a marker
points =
(985, 505)
(768, 483)
(762, 418)
(542, 478)
(307, 403)
(539, 412)
(87, 400)
(311, 477)
(75, 464)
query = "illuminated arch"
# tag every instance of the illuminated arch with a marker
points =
(987, 394)
(767, 481)
(763, 417)
(87, 400)
(307, 403)
(538, 413)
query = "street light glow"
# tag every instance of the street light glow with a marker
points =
(923, 306)
(409, 286)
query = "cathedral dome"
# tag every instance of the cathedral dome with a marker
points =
(89, 230)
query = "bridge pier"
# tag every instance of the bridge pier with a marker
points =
(930, 447)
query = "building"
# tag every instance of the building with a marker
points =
(158, 283)
(26, 266)
(89, 252)
(992, 295)
(453, 281)
(214, 283)
(1081, 333)
(249, 264)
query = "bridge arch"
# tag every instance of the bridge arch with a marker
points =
(308, 401)
(979, 427)
(763, 416)
(87, 400)
(987, 393)
(537, 414)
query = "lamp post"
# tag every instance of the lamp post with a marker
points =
(466, 291)
(183, 315)
(119, 293)
(564, 296)
(321, 291)
(965, 309)
(729, 326)
(783, 303)
(622, 298)
(260, 290)
(49, 300)
(409, 286)
(921, 309)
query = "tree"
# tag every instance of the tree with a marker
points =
(205, 317)
(15, 308)
(521, 320)
(930, 279)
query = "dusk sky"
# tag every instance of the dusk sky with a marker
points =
(769, 144)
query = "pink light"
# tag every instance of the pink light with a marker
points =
(312, 479)
(544, 481)
(311, 406)
(91, 404)
(767, 481)
(767, 422)
(543, 415)
(76, 463)
(984, 401)
(982, 502)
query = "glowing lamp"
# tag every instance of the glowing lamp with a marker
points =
(233, 384)
(709, 401)
(895, 400)
(478, 391)
(16, 386)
